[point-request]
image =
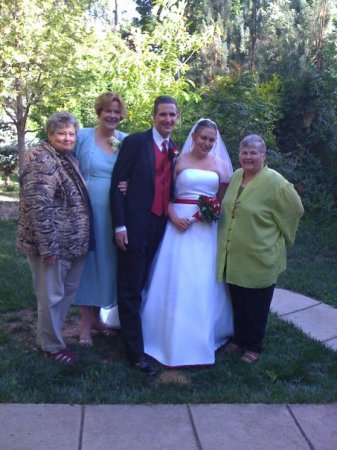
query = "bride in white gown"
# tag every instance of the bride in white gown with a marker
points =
(186, 313)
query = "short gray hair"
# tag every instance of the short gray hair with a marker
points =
(60, 120)
(254, 141)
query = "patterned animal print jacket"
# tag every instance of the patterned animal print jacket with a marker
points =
(54, 206)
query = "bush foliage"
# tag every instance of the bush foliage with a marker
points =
(8, 163)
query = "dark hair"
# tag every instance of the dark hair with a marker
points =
(254, 141)
(205, 123)
(103, 101)
(164, 99)
(60, 119)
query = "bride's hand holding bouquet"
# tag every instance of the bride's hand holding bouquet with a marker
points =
(209, 209)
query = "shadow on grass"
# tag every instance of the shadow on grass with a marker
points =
(292, 369)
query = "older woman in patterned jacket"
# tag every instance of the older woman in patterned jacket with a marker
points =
(54, 230)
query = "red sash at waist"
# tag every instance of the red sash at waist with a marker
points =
(185, 201)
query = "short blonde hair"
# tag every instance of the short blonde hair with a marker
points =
(103, 101)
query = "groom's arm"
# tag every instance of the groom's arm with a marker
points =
(121, 172)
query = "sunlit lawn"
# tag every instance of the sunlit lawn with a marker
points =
(292, 369)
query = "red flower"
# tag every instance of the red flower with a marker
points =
(209, 209)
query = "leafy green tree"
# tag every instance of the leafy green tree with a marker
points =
(213, 60)
(242, 105)
(8, 163)
(144, 9)
(42, 44)
(200, 15)
(60, 65)
(145, 64)
(104, 12)
(8, 152)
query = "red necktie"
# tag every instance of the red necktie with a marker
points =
(164, 145)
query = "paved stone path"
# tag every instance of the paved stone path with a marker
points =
(9, 207)
(168, 427)
(317, 319)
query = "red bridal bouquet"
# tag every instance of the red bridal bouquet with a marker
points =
(209, 209)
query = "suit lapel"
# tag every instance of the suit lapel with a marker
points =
(150, 152)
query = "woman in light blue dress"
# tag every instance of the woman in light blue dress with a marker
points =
(97, 150)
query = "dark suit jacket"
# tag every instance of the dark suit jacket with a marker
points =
(136, 164)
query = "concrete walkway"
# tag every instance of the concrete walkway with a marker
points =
(168, 427)
(315, 318)
(186, 427)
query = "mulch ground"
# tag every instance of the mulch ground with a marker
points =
(21, 327)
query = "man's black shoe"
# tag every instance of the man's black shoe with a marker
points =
(143, 365)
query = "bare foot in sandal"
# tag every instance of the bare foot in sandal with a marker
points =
(103, 329)
(86, 342)
(250, 357)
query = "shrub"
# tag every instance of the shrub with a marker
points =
(241, 105)
(8, 162)
(306, 134)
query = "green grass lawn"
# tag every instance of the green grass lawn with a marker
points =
(292, 369)
(312, 261)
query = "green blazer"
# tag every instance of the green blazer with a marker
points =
(255, 228)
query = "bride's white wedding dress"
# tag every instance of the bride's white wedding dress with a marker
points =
(186, 313)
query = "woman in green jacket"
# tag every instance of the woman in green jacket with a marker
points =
(261, 215)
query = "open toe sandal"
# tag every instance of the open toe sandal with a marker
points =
(250, 357)
(63, 356)
(86, 342)
(103, 329)
(108, 332)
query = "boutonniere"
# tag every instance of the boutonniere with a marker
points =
(115, 144)
(174, 152)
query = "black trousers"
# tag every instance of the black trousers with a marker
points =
(132, 271)
(250, 314)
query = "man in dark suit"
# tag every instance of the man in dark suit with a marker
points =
(139, 217)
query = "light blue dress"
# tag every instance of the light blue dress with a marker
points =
(98, 283)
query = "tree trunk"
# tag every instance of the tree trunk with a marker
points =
(116, 13)
(20, 123)
(20, 129)
(253, 37)
(321, 31)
